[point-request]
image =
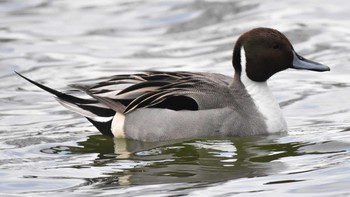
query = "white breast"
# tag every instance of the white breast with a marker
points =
(264, 100)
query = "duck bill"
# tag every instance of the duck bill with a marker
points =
(301, 63)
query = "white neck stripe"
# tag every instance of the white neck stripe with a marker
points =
(244, 78)
(243, 59)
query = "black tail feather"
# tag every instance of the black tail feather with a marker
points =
(103, 127)
(60, 95)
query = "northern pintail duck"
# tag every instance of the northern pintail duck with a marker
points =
(157, 106)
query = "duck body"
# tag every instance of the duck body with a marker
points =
(157, 106)
(224, 109)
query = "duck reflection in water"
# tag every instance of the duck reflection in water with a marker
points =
(133, 162)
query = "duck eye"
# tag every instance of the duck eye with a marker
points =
(276, 46)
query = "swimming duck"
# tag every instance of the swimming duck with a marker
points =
(158, 106)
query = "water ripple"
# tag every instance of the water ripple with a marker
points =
(46, 150)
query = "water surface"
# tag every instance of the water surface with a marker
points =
(47, 150)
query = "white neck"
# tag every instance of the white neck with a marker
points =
(264, 100)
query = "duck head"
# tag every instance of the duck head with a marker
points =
(267, 51)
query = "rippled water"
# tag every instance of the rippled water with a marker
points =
(47, 150)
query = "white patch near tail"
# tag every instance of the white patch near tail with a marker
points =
(118, 125)
(264, 100)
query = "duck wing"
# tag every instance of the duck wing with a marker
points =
(171, 90)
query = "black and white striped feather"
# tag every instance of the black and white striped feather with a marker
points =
(171, 90)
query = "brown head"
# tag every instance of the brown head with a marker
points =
(268, 51)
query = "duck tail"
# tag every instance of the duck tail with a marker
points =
(98, 114)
